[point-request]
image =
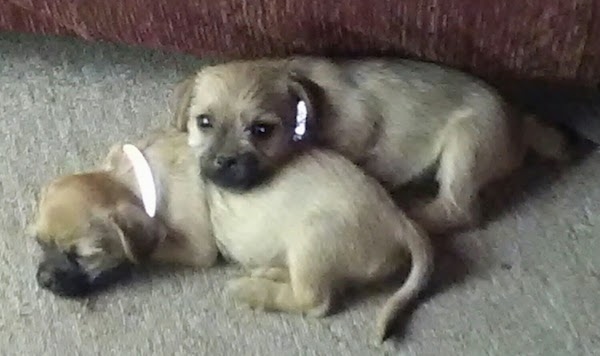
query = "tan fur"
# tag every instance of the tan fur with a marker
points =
(395, 118)
(110, 196)
(319, 226)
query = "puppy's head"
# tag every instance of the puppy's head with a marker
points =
(91, 228)
(245, 120)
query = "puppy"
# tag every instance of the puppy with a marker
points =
(91, 224)
(317, 227)
(395, 118)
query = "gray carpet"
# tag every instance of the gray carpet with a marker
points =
(528, 283)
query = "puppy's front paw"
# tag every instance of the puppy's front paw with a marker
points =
(268, 295)
(275, 274)
(254, 292)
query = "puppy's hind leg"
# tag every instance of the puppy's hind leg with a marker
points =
(304, 293)
(472, 155)
(454, 204)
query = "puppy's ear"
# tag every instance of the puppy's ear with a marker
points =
(141, 234)
(180, 102)
(304, 89)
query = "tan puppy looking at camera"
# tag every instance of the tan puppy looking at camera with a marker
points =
(395, 118)
(317, 227)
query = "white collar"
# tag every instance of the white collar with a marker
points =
(143, 175)
(301, 115)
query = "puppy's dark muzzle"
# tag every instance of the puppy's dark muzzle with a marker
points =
(63, 277)
(240, 172)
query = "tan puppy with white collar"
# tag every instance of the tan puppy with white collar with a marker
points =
(395, 118)
(319, 226)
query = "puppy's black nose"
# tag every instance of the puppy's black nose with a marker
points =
(225, 162)
(62, 279)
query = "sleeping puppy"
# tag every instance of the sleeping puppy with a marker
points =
(91, 224)
(395, 118)
(317, 227)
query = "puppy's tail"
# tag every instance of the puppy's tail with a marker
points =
(545, 140)
(421, 252)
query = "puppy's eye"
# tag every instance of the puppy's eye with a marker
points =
(204, 121)
(261, 130)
